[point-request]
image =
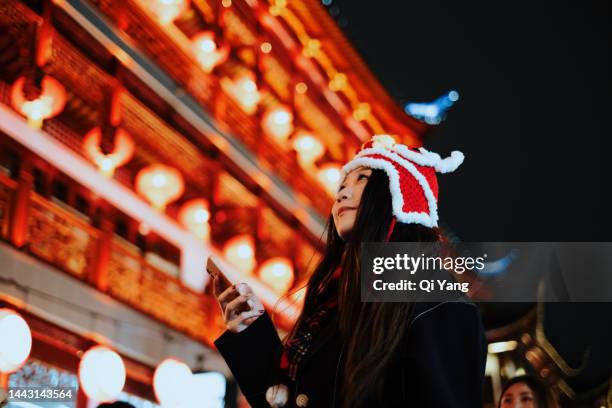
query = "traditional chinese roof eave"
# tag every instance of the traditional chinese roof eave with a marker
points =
(392, 114)
(232, 151)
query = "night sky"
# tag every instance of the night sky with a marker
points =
(533, 114)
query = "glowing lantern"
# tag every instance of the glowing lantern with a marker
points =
(309, 148)
(278, 122)
(167, 11)
(266, 47)
(15, 341)
(240, 252)
(213, 385)
(206, 51)
(329, 176)
(244, 91)
(194, 215)
(172, 381)
(101, 374)
(107, 163)
(277, 273)
(160, 184)
(48, 104)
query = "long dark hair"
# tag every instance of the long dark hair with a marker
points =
(542, 394)
(370, 329)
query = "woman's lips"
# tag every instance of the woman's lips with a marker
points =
(342, 210)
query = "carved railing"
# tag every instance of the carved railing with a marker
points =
(132, 280)
(61, 237)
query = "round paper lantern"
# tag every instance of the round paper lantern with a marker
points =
(240, 252)
(243, 90)
(206, 51)
(160, 184)
(107, 163)
(308, 147)
(278, 122)
(101, 374)
(194, 215)
(49, 103)
(167, 11)
(277, 273)
(172, 382)
(329, 176)
(213, 385)
(15, 341)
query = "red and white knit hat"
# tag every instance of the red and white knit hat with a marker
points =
(412, 176)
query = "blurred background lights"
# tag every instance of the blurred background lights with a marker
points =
(210, 388)
(243, 89)
(240, 252)
(194, 216)
(172, 383)
(101, 374)
(167, 11)
(308, 147)
(49, 103)
(502, 346)
(266, 47)
(206, 51)
(329, 176)
(160, 184)
(432, 113)
(301, 88)
(123, 150)
(277, 273)
(278, 122)
(15, 341)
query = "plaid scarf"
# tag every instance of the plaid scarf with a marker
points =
(297, 346)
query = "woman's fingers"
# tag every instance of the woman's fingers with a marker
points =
(234, 307)
(253, 302)
(239, 305)
(227, 295)
(239, 322)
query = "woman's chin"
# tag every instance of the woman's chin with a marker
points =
(345, 234)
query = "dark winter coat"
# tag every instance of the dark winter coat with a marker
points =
(440, 363)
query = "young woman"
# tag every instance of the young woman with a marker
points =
(346, 353)
(525, 392)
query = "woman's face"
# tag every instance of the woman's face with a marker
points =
(344, 210)
(519, 395)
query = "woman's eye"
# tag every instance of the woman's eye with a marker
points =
(362, 175)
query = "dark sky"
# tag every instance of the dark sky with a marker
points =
(533, 114)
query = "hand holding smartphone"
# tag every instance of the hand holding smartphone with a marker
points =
(239, 305)
(220, 281)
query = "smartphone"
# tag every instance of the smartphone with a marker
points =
(213, 270)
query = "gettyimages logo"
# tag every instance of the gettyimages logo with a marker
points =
(412, 264)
